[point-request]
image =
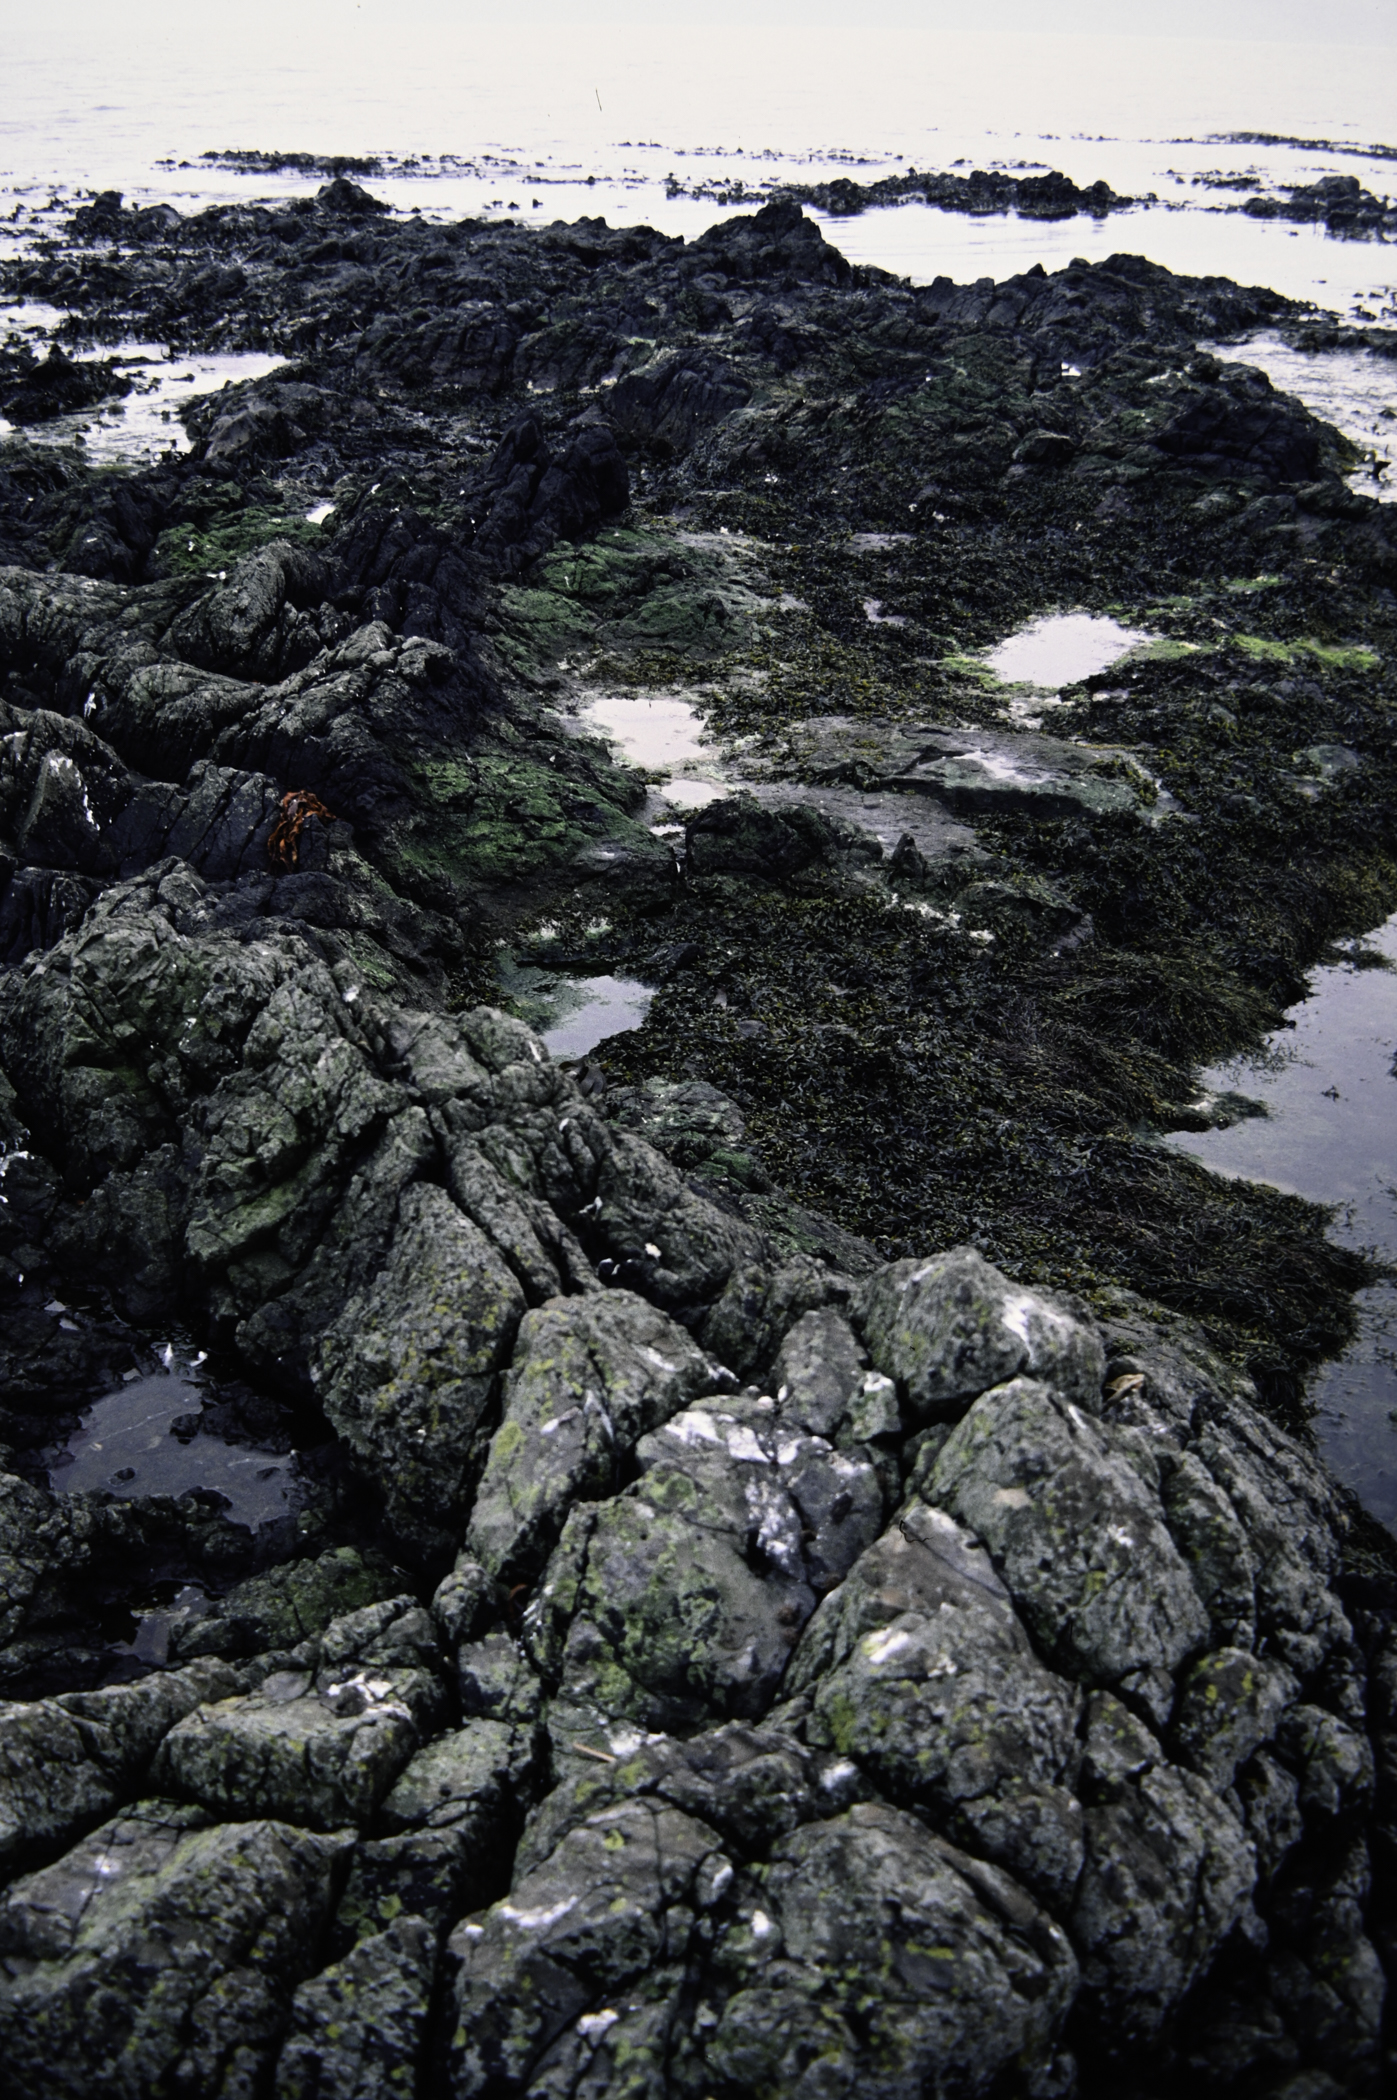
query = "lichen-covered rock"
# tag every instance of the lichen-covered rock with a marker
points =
(1229, 1704)
(71, 1760)
(679, 1601)
(472, 1779)
(285, 1606)
(1324, 1972)
(750, 1784)
(949, 1327)
(622, 1894)
(588, 1378)
(407, 1371)
(1076, 1535)
(872, 1957)
(320, 1744)
(918, 1668)
(358, 2030)
(160, 1954)
(1169, 1872)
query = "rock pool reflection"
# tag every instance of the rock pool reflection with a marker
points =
(1062, 648)
(127, 1447)
(1330, 1133)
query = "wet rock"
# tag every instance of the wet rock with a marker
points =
(918, 1668)
(359, 2028)
(950, 1327)
(59, 385)
(588, 1378)
(209, 1928)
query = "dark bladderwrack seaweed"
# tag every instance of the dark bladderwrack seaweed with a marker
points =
(718, 1644)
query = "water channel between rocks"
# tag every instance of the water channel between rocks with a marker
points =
(1330, 1133)
(141, 425)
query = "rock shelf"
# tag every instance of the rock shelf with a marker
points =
(797, 1564)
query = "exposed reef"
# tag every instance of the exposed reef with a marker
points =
(793, 1563)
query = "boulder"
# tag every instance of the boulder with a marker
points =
(918, 1668)
(322, 1744)
(360, 2027)
(588, 1378)
(163, 1950)
(679, 1601)
(950, 1327)
(1076, 1535)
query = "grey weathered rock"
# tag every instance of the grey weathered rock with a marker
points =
(472, 1777)
(950, 1327)
(407, 1370)
(872, 1957)
(622, 1893)
(1168, 1873)
(1229, 1704)
(320, 1744)
(750, 1784)
(162, 1951)
(1323, 1970)
(819, 1372)
(918, 1667)
(71, 1760)
(588, 1378)
(285, 1606)
(1076, 1535)
(359, 2029)
(679, 1601)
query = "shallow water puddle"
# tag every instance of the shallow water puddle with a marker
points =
(605, 1006)
(125, 1447)
(1062, 648)
(571, 1014)
(144, 423)
(1330, 1133)
(666, 735)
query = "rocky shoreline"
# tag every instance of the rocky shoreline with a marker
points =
(802, 1569)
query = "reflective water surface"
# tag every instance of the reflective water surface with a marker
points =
(127, 1446)
(1330, 1133)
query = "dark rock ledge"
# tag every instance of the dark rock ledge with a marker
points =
(707, 1653)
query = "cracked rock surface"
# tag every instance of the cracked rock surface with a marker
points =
(647, 1636)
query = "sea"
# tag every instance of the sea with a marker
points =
(675, 119)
